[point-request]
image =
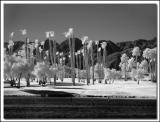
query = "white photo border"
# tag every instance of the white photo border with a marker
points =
(73, 2)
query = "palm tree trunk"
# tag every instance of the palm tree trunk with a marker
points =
(50, 51)
(156, 69)
(26, 49)
(73, 58)
(54, 44)
(86, 63)
(80, 66)
(92, 64)
(99, 68)
(77, 66)
(104, 57)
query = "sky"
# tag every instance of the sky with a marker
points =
(115, 22)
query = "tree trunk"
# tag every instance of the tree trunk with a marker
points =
(73, 58)
(19, 80)
(92, 58)
(99, 68)
(86, 63)
(79, 66)
(54, 43)
(125, 73)
(156, 69)
(138, 82)
(104, 57)
(28, 83)
(26, 49)
(50, 51)
(136, 66)
(150, 71)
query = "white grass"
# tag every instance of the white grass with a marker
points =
(145, 89)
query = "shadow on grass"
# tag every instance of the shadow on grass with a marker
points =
(46, 93)
(66, 88)
(68, 84)
(23, 86)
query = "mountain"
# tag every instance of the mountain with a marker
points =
(17, 45)
(141, 43)
(114, 50)
(46, 45)
(64, 46)
(111, 47)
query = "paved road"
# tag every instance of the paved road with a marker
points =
(80, 108)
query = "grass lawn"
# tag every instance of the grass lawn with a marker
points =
(145, 89)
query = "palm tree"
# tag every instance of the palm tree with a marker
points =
(99, 62)
(42, 44)
(69, 35)
(24, 33)
(85, 42)
(97, 43)
(50, 47)
(11, 44)
(51, 35)
(40, 53)
(136, 53)
(76, 57)
(37, 49)
(104, 44)
(54, 52)
(90, 48)
(10, 47)
(79, 64)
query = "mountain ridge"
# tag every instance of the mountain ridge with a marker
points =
(114, 50)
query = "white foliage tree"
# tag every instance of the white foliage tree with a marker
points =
(124, 64)
(139, 75)
(8, 63)
(144, 65)
(85, 52)
(41, 71)
(151, 56)
(110, 75)
(131, 63)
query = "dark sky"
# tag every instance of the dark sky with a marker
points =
(115, 22)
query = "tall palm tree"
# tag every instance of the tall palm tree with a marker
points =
(69, 35)
(97, 43)
(79, 64)
(90, 47)
(37, 49)
(104, 44)
(54, 52)
(24, 33)
(99, 62)
(136, 53)
(85, 42)
(42, 44)
(10, 47)
(50, 47)
(11, 44)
